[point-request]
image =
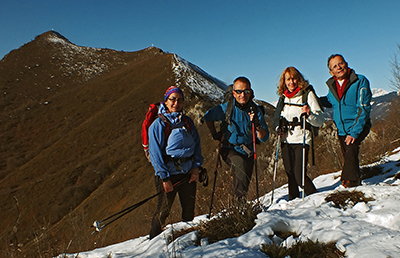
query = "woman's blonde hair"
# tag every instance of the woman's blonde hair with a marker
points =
(302, 83)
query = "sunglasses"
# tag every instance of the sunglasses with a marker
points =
(241, 91)
(173, 100)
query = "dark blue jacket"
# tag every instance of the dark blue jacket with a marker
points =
(351, 113)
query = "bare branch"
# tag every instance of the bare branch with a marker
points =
(395, 70)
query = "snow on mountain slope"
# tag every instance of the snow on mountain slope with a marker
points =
(85, 61)
(378, 92)
(369, 229)
(198, 80)
(380, 103)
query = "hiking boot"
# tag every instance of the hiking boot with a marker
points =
(347, 183)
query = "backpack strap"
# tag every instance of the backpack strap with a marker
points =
(305, 96)
(228, 115)
(305, 101)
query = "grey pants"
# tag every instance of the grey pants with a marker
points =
(242, 167)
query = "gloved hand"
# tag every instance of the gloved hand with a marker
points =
(303, 115)
(217, 136)
(256, 121)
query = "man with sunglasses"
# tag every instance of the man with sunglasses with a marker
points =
(236, 134)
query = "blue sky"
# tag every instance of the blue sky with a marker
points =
(256, 39)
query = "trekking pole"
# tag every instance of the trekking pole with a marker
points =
(275, 167)
(255, 152)
(215, 175)
(99, 225)
(303, 174)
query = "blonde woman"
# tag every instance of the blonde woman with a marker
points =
(288, 124)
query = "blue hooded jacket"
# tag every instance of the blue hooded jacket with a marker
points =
(176, 146)
(351, 113)
(240, 130)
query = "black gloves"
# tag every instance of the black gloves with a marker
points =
(217, 136)
(256, 121)
(283, 126)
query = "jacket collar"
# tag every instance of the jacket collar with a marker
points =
(245, 106)
(332, 84)
(174, 118)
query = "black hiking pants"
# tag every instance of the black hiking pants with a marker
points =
(187, 196)
(242, 167)
(292, 155)
(351, 166)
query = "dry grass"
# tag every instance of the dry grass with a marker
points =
(231, 222)
(307, 249)
(384, 136)
(346, 199)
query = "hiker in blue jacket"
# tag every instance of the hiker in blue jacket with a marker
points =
(176, 158)
(349, 96)
(237, 148)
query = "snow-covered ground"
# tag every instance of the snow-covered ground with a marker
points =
(365, 230)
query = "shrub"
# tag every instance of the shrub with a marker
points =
(231, 222)
(307, 249)
(345, 199)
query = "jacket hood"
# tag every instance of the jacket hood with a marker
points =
(174, 118)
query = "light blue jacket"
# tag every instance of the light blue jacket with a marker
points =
(240, 130)
(351, 113)
(158, 145)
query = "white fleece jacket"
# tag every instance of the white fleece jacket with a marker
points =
(316, 117)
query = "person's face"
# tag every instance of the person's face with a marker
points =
(174, 102)
(338, 68)
(241, 92)
(291, 82)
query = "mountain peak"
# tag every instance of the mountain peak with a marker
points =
(378, 92)
(53, 36)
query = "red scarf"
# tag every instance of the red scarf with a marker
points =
(340, 90)
(291, 94)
